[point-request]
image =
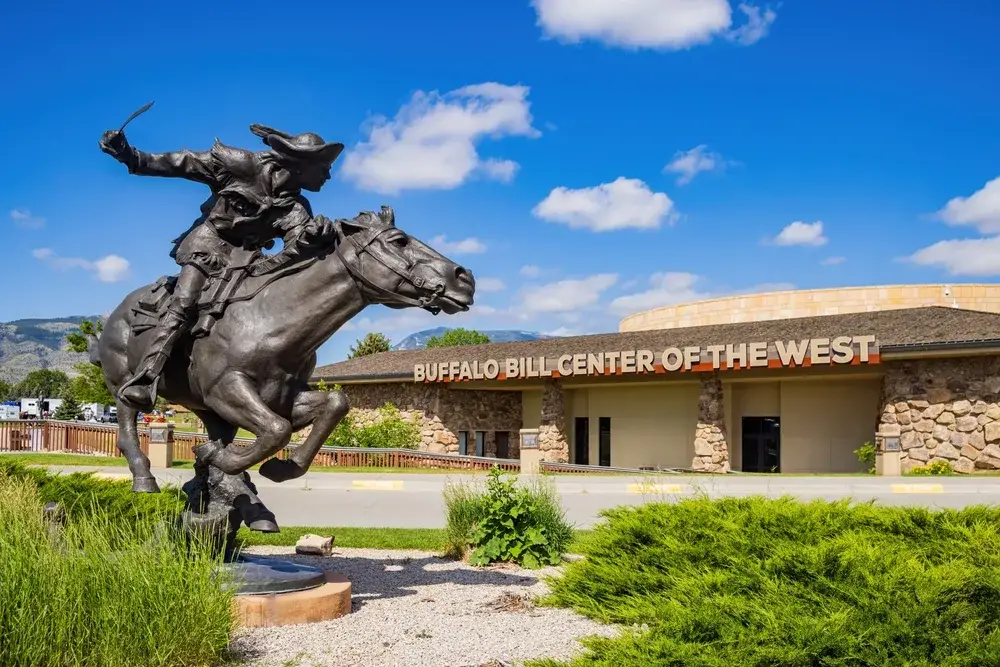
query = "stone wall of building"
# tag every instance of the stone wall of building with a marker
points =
(552, 431)
(944, 410)
(711, 446)
(441, 413)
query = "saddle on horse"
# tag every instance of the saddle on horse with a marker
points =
(227, 286)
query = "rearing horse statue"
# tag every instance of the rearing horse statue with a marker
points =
(252, 369)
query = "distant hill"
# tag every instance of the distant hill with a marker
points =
(29, 345)
(417, 341)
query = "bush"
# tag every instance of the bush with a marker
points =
(781, 583)
(390, 430)
(108, 591)
(866, 454)
(507, 523)
(935, 468)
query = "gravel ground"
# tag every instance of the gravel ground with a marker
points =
(411, 608)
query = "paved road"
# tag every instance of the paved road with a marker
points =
(415, 500)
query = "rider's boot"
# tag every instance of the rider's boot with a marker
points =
(140, 390)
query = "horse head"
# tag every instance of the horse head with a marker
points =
(399, 271)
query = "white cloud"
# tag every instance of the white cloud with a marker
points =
(530, 271)
(802, 233)
(833, 261)
(967, 257)
(469, 246)
(653, 24)
(490, 285)
(756, 27)
(689, 164)
(22, 217)
(675, 287)
(666, 288)
(622, 204)
(107, 269)
(432, 143)
(981, 209)
(566, 295)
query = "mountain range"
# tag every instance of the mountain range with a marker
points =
(29, 345)
(418, 340)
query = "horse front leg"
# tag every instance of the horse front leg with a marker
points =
(234, 399)
(322, 409)
(128, 444)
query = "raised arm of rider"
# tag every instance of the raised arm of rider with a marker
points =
(191, 165)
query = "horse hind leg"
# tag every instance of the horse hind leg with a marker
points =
(128, 444)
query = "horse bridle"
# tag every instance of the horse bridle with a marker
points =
(404, 271)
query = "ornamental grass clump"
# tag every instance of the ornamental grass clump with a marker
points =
(107, 590)
(780, 583)
(506, 522)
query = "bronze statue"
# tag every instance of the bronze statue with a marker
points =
(260, 318)
(255, 197)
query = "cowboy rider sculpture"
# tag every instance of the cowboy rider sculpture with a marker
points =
(256, 198)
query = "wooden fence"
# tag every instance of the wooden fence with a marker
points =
(99, 440)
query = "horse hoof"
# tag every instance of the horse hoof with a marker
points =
(145, 485)
(264, 526)
(278, 470)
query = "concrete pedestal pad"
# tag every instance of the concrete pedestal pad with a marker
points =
(331, 600)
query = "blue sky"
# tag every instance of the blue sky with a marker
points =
(584, 158)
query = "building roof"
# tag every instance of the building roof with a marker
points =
(911, 328)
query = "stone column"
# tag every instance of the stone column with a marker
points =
(161, 445)
(711, 447)
(552, 432)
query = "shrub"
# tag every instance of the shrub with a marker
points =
(866, 454)
(781, 583)
(389, 430)
(109, 591)
(507, 523)
(935, 468)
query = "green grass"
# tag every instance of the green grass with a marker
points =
(752, 582)
(109, 590)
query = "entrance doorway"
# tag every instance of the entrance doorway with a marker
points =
(581, 441)
(761, 444)
(604, 441)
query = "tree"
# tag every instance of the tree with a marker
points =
(89, 386)
(458, 336)
(43, 383)
(6, 391)
(79, 341)
(68, 410)
(372, 343)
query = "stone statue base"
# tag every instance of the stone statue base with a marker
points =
(259, 575)
(332, 599)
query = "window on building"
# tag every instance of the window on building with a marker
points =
(480, 443)
(604, 441)
(463, 443)
(503, 444)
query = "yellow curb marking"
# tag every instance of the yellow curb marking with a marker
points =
(917, 488)
(655, 488)
(378, 484)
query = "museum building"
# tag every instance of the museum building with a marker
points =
(796, 394)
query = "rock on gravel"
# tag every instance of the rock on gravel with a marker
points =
(411, 608)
